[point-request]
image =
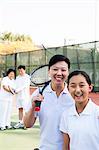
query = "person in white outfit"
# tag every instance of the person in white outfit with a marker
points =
(6, 99)
(22, 93)
(80, 123)
(56, 100)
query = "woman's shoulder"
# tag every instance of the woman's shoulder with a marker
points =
(5, 79)
(36, 92)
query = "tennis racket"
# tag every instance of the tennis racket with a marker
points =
(39, 77)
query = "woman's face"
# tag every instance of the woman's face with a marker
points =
(59, 73)
(79, 88)
(11, 75)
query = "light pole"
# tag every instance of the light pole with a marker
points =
(65, 48)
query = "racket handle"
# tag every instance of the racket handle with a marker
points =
(38, 104)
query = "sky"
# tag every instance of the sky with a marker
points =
(51, 22)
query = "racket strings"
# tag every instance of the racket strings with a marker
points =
(40, 76)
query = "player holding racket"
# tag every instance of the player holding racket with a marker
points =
(6, 99)
(55, 100)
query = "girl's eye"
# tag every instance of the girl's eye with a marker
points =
(55, 69)
(82, 85)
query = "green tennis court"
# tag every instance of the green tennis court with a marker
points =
(19, 139)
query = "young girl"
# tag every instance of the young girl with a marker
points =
(80, 123)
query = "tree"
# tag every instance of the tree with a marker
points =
(9, 36)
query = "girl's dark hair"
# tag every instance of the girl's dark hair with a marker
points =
(10, 70)
(77, 72)
(57, 58)
(21, 67)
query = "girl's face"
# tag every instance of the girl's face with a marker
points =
(79, 88)
(58, 73)
(11, 75)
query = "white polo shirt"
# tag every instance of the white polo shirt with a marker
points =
(82, 129)
(4, 95)
(23, 87)
(49, 116)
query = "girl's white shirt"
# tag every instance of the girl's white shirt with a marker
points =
(83, 128)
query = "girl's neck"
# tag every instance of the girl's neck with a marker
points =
(81, 106)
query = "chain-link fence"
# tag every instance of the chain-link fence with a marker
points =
(82, 56)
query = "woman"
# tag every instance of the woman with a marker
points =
(6, 96)
(80, 123)
(56, 100)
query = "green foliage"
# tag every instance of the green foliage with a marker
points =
(9, 36)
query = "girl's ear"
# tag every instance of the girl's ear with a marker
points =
(90, 87)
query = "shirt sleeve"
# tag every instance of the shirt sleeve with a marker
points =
(97, 116)
(4, 82)
(64, 122)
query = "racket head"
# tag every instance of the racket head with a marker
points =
(40, 76)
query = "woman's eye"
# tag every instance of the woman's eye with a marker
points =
(63, 70)
(72, 86)
(82, 85)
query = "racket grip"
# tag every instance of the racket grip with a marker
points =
(38, 104)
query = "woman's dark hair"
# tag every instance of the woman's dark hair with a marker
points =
(79, 72)
(21, 67)
(10, 70)
(57, 58)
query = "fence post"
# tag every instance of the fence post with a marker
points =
(15, 61)
(94, 63)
